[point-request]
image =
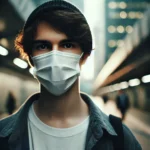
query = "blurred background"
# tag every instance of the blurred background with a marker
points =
(117, 75)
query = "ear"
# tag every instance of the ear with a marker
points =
(84, 58)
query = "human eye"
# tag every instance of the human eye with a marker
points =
(68, 45)
(41, 46)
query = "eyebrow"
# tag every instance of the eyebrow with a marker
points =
(48, 42)
(40, 41)
(67, 41)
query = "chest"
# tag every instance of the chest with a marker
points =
(43, 137)
(41, 141)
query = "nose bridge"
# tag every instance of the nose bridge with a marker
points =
(55, 47)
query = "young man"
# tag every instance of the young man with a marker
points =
(56, 40)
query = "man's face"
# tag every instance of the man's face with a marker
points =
(48, 39)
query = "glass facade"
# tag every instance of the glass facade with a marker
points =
(120, 18)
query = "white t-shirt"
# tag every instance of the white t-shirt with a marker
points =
(44, 137)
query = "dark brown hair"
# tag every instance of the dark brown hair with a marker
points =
(73, 24)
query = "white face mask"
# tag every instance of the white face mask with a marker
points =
(57, 70)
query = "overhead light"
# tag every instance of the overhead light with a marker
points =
(112, 5)
(4, 42)
(105, 90)
(112, 43)
(116, 87)
(110, 88)
(120, 29)
(114, 15)
(120, 43)
(123, 14)
(146, 79)
(3, 51)
(124, 85)
(129, 29)
(139, 15)
(134, 82)
(20, 63)
(111, 29)
(132, 15)
(122, 5)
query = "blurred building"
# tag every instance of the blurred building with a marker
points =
(121, 15)
(128, 66)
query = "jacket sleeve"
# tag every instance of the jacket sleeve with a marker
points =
(130, 141)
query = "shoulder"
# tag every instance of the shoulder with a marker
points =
(7, 123)
(130, 141)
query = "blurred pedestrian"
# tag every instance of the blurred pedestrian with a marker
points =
(57, 40)
(10, 103)
(122, 101)
(105, 98)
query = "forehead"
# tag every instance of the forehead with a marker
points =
(46, 31)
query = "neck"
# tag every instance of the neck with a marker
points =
(70, 105)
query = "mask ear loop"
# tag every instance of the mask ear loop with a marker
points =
(81, 55)
(79, 61)
(33, 69)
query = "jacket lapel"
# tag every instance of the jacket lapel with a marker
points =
(18, 127)
(99, 123)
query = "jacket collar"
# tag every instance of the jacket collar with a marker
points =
(98, 118)
(99, 122)
(17, 123)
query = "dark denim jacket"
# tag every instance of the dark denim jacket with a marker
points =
(14, 129)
